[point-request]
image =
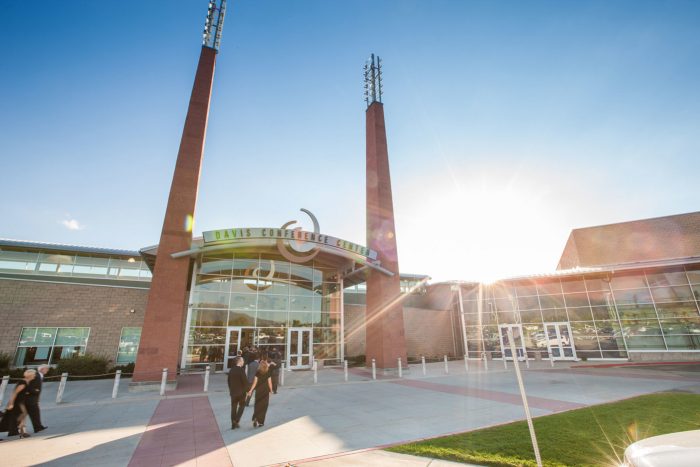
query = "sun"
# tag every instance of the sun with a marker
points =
(484, 231)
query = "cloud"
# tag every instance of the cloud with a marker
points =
(72, 224)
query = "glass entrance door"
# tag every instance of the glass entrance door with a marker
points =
(299, 348)
(517, 338)
(237, 338)
(559, 342)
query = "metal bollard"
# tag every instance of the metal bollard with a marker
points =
(374, 369)
(282, 375)
(486, 363)
(315, 367)
(115, 389)
(206, 378)
(3, 387)
(447, 368)
(163, 381)
(400, 369)
(422, 362)
(61, 388)
(345, 369)
(466, 364)
(505, 362)
(527, 361)
(551, 360)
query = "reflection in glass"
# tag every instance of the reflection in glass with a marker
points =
(618, 282)
(676, 277)
(672, 294)
(680, 309)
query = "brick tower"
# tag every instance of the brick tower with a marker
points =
(165, 314)
(386, 341)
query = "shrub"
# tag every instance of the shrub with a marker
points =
(15, 374)
(83, 365)
(5, 360)
(127, 369)
(357, 360)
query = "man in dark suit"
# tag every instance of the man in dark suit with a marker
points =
(33, 396)
(237, 386)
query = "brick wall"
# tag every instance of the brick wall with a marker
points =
(105, 310)
(642, 240)
(428, 332)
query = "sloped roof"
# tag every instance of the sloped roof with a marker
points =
(659, 238)
(6, 242)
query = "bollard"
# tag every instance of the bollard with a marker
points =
(282, 375)
(315, 372)
(61, 387)
(422, 362)
(400, 369)
(505, 362)
(486, 363)
(115, 389)
(374, 369)
(3, 387)
(206, 378)
(551, 360)
(527, 361)
(447, 368)
(345, 369)
(466, 364)
(163, 381)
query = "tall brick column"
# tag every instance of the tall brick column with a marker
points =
(167, 300)
(384, 319)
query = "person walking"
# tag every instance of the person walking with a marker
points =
(16, 406)
(237, 387)
(275, 367)
(251, 369)
(262, 384)
(33, 396)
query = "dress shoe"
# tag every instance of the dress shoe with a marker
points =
(41, 428)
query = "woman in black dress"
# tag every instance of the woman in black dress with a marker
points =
(16, 409)
(262, 384)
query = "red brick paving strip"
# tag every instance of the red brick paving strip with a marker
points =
(498, 396)
(182, 432)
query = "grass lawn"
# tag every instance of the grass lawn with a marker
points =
(591, 436)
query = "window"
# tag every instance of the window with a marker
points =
(128, 345)
(39, 346)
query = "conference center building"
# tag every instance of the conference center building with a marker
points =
(623, 291)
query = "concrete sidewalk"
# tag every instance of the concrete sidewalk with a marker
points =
(317, 423)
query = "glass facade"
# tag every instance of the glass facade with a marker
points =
(262, 300)
(73, 265)
(48, 345)
(591, 315)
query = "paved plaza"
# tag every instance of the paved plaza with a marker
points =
(331, 422)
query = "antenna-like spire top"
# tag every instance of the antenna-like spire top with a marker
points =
(373, 80)
(214, 24)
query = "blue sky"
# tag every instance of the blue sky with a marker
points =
(509, 123)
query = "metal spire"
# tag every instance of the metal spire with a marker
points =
(373, 80)
(214, 24)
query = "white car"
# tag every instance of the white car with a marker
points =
(680, 449)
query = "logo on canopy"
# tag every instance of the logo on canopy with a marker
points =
(293, 252)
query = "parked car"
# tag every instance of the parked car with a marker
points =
(680, 449)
